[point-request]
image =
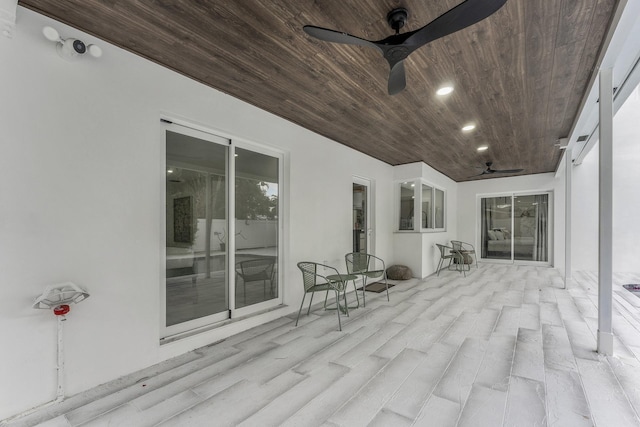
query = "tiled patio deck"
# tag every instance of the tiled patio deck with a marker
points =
(504, 346)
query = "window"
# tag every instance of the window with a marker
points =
(407, 200)
(438, 208)
(427, 206)
(429, 199)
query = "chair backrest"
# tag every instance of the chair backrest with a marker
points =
(311, 276)
(443, 250)
(257, 268)
(357, 262)
(309, 273)
(457, 245)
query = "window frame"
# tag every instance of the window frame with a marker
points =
(418, 184)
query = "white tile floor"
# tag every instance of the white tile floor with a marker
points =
(504, 346)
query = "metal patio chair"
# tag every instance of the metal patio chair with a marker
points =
(364, 265)
(453, 255)
(465, 249)
(314, 281)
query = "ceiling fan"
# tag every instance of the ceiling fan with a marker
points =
(489, 171)
(396, 48)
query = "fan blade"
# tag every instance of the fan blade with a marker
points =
(508, 170)
(462, 16)
(333, 36)
(480, 174)
(397, 78)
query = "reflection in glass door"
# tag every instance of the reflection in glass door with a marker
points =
(515, 227)
(496, 227)
(256, 227)
(360, 217)
(531, 227)
(196, 259)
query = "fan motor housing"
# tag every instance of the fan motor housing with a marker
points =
(397, 18)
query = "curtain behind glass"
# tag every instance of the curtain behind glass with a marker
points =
(496, 227)
(542, 232)
(486, 209)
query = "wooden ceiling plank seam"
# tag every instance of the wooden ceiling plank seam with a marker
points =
(573, 47)
(598, 25)
(539, 62)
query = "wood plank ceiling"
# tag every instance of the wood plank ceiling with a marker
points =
(519, 75)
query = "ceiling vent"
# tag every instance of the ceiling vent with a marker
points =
(583, 138)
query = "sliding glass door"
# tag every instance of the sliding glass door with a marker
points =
(531, 227)
(515, 227)
(496, 226)
(196, 285)
(257, 178)
(222, 230)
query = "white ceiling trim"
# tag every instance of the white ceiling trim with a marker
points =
(622, 54)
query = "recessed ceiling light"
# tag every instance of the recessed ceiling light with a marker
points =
(483, 148)
(467, 128)
(445, 90)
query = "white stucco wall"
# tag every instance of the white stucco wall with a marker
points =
(81, 181)
(626, 197)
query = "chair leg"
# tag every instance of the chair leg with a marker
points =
(386, 284)
(346, 304)
(438, 267)
(461, 266)
(355, 291)
(310, 302)
(338, 310)
(364, 289)
(301, 304)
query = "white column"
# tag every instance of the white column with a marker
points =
(231, 235)
(605, 258)
(567, 215)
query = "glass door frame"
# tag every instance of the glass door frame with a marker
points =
(207, 322)
(194, 324)
(274, 302)
(368, 216)
(513, 195)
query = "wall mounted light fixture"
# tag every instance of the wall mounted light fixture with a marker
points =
(70, 48)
